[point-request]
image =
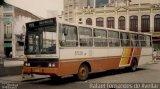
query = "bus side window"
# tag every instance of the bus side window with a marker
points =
(142, 40)
(113, 39)
(148, 41)
(100, 38)
(85, 37)
(125, 42)
(134, 40)
(68, 36)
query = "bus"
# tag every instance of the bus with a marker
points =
(57, 48)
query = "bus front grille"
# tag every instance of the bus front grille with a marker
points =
(41, 62)
(38, 64)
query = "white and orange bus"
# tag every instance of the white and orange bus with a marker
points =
(58, 48)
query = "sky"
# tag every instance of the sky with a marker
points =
(38, 7)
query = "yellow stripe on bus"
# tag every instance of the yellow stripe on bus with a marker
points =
(127, 53)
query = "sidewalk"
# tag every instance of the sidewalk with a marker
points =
(11, 67)
(18, 78)
(12, 71)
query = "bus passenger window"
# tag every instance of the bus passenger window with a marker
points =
(113, 39)
(68, 36)
(100, 38)
(125, 42)
(85, 37)
(134, 40)
(142, 40)
(148, 41)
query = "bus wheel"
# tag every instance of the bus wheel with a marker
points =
(133, 65)
(83, 72)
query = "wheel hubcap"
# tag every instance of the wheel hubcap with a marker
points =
(82, 72)
(134, 66)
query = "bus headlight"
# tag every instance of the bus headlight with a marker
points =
(27, 64)
(51, 65)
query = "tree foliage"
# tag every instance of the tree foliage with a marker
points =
(2, 2)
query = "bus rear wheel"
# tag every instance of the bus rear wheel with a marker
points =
(83, 72)
(133, 65)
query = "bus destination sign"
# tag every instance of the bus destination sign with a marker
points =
(41, 23)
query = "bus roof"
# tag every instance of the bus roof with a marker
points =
(89, 26)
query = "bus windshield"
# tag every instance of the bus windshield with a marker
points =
(41, 40)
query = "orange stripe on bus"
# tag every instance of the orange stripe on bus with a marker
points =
(130, 56)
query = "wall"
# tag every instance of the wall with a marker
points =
(20, 19)
(19, 29)
(1, 33)
(145, 1)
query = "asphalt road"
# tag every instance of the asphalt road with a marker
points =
(147, 74)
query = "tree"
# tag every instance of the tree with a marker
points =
(2, 2)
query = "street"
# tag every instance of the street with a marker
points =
(148, 73)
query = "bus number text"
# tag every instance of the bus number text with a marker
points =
(78, 52)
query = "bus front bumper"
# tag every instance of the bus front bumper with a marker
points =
(40, 70)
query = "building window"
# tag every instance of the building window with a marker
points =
(85, 3)
(99, 22)
(80, 21)
(110, 22)
(134, 23)
(89, 21)
(8, 31)
(145, 23)
(121, 23)
(101, 3)
(157, 23)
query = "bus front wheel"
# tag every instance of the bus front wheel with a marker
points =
(83, 72)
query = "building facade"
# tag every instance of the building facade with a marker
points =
(14, 20)
(69, 10)
(70, 7)
(131, 15)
